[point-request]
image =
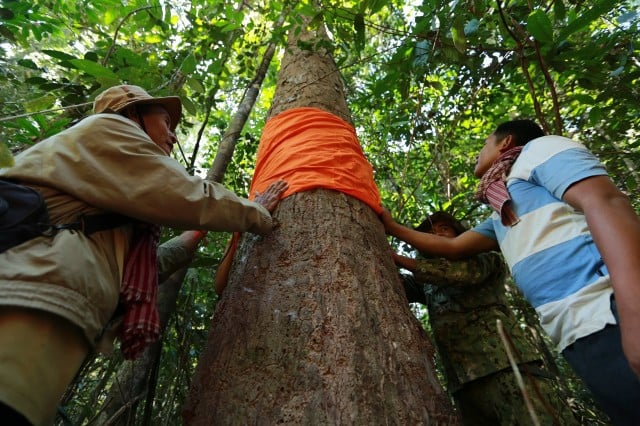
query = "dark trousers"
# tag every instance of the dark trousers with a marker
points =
(599, 360)
(10, 417)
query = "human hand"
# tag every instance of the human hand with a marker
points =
(271, 196)
(387, 219)
(191, 239)
(632, 352)
(630, 341)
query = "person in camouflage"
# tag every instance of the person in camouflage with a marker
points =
(464, 299)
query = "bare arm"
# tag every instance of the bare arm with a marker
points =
(191, 239)
(222, 274)
(464, 245)
(405, 262)
(615, 228)
(177, 252)
(269, 199)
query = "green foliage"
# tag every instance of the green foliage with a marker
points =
(426, 84)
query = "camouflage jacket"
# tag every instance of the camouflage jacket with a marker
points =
(464, 299)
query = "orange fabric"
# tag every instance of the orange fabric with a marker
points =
(309, 148)
(222, 273)
(312, 148)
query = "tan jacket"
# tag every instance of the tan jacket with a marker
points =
(106, 163)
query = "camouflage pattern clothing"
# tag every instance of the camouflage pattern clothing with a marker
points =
(464, 299)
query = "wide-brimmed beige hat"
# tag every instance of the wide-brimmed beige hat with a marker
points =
(117, 98)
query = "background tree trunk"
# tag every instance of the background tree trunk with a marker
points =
(314, 327)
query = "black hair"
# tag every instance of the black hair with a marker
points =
(441, 217)
(523, 131)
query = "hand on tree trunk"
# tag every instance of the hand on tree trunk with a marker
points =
(271, 196)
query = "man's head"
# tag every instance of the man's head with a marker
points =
(442, 224)
(157, 116)
(506, 136)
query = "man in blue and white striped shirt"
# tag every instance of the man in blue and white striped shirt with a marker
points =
(571, 240)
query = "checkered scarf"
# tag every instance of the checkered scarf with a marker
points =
(141, 323)
(493, 188)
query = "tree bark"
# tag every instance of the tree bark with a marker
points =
(314, 327)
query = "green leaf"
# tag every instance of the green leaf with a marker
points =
(153, 38)
(6, 33)
(539, 25)
(128, 57)
(28, 126)
(594, 115)
(108, 81)
(376, 5)
(57, 54)
(559, 11)
(457, 33)
(451, 54)
(583, 99)
(6, 14)
(421, 53)
(188, 65)
(600, 8)
(6, 159)
(40, 104)
(110, 15)
(189, 106)
(27, 63)
(195, 85)
(93, 68)
(36, 81)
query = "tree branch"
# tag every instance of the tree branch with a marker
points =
(115, 35)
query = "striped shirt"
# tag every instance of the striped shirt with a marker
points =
(551, 254)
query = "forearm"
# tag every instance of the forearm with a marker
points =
(618, 241)
(191, 239)
(615, 229)
(154, 189)
(426, 243)
(464, 245)
(405, 262)
(177, 252)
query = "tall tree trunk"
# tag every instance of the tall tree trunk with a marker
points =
(314, 327)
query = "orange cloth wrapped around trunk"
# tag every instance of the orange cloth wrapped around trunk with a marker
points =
(312, 148)
(309, 148)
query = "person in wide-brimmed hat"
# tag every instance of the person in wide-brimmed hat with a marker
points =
(58, 292)
(118, 98)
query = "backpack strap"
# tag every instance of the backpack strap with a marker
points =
(93, 223)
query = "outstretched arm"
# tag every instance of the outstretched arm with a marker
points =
(615, 228)
(464, 245)
(269, 199)
(177, 252)
(405, 262)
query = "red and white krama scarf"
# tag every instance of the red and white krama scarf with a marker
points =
(493, 188)
(141, 323)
